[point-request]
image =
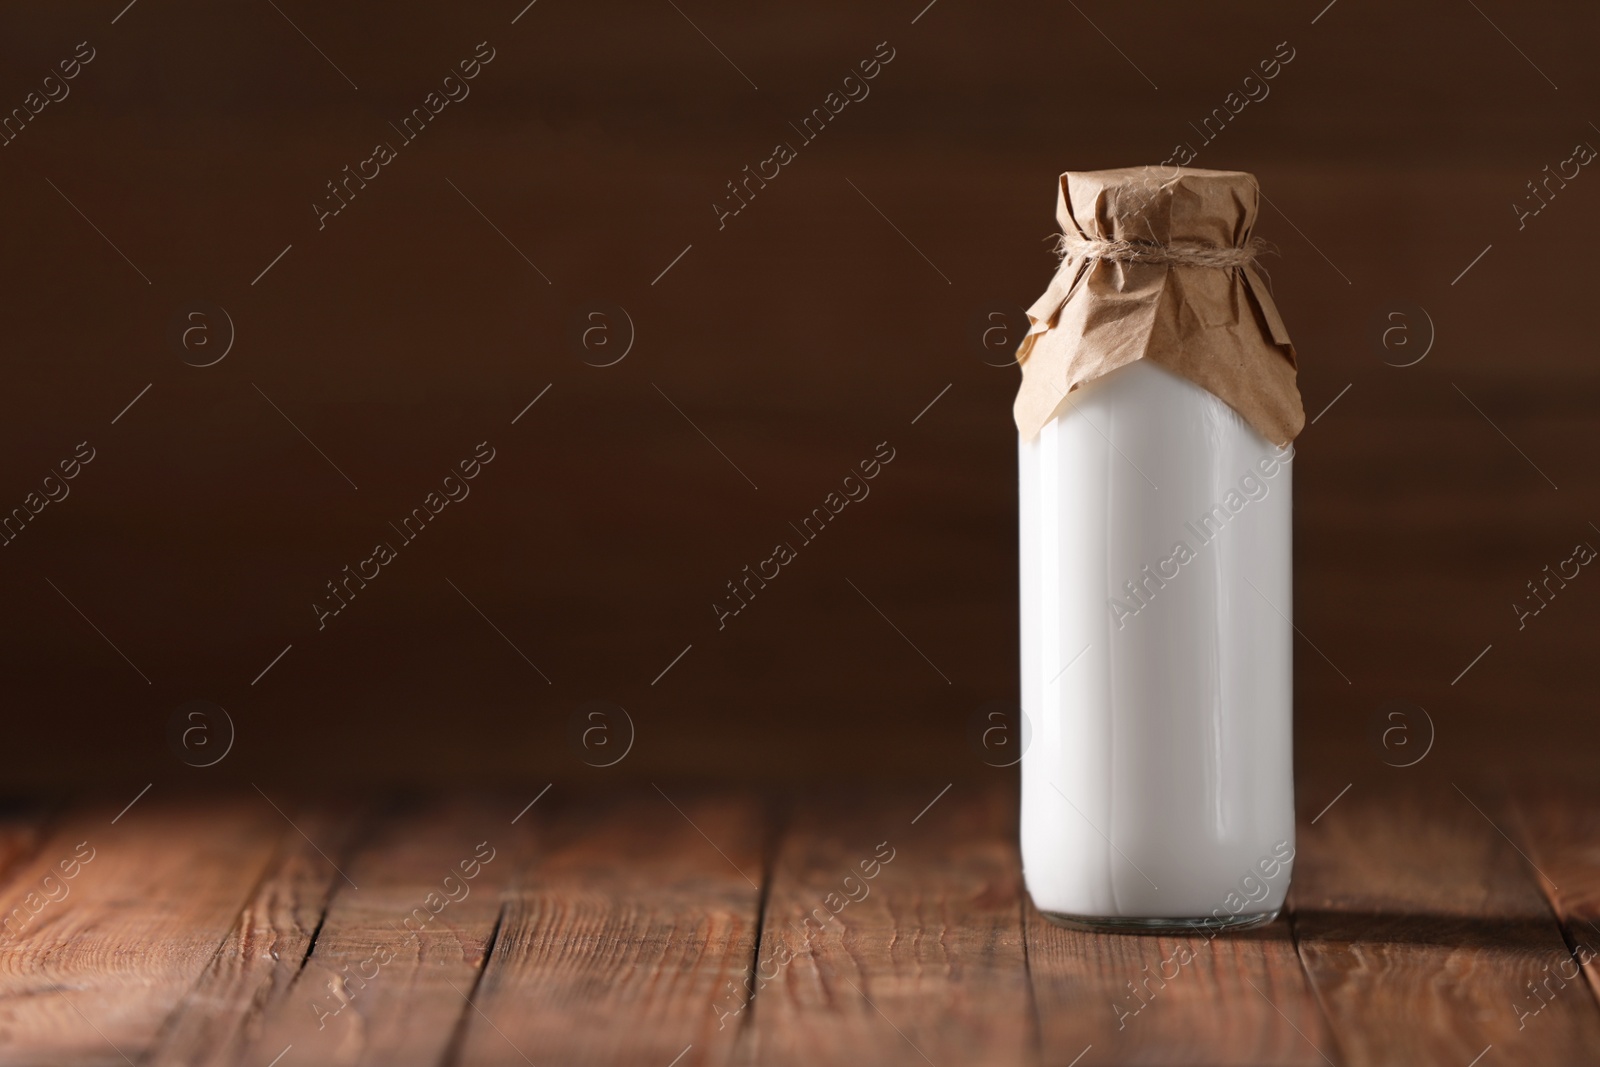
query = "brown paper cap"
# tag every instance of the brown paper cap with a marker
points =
(1215, 326)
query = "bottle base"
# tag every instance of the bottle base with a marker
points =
(1123, 924)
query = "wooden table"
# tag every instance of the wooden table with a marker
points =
(629, 927)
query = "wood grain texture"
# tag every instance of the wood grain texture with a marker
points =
(638, 918)
(889, 942)
(1416, 521)
(1560, 831)
(401, 942)
(265, 952)
(1421, 926)
(141, 907)
(1223, 998)
(715, 926)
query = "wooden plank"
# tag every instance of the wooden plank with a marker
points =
(637, 921)
(1207, 997)
(398, 949)
(891, 942)
(140, 907)
(263, 955)
(1560, 830)
(1421, 926)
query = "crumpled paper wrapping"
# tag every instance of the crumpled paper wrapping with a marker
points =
(1217, 327)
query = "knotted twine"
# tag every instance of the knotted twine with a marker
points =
(1073, 250)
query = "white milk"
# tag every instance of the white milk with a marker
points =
(1157, 783)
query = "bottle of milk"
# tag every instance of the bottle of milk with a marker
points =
(1156, 417)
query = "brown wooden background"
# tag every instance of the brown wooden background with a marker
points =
(796, 339)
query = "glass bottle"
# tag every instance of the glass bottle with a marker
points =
(1154, 458)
